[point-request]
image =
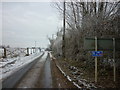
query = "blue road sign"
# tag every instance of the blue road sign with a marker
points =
(97, 53)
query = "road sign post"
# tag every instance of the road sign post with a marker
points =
(114, 67)
(106, 44)
(96, 54)
(95, 60)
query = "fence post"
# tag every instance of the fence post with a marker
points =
(40, 49)
(31, 50)
(4, 53)
(27, 52)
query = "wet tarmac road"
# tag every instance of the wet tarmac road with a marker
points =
(45, 77)
(32, 76)
(44, 74)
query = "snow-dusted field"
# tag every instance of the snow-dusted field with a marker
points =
(14, 52)
(10, 65)
(1, 52)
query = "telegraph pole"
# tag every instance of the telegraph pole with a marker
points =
(63, 43)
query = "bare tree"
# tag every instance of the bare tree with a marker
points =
(88, 19)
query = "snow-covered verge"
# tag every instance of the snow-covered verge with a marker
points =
(10, 65)
(79, 82)
(1, 52)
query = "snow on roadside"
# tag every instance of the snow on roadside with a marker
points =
(61, 71)
(51, 56)
(81, 81)
(44, 56)
(76, 85)
(1, 52)
(68, 77)
(8, 66)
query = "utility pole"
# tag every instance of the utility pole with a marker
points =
(63, 42)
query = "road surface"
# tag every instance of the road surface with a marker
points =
(44, 74)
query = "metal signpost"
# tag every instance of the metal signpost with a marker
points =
(106, 44)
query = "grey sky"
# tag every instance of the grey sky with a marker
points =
(23, 23)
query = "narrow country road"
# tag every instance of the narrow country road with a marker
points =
(30, 79)
(44, 74)
(45, 80)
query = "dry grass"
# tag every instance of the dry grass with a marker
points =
(88, 74)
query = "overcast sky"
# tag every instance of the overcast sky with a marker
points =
(23, 23)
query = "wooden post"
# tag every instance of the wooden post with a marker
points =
(35, 46)
(40, 49)
(4, 53)
(114, 67)
(27, 51)
(31, 50)
(95, 59)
